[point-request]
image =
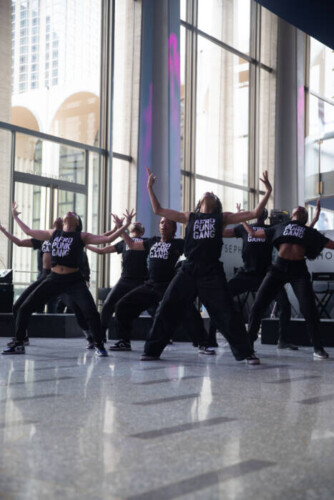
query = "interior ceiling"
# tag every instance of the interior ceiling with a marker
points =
(314, 17)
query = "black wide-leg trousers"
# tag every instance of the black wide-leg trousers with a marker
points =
(281, 272)
(54, 285)
(118, 291)
(148, 296)
(209, 284)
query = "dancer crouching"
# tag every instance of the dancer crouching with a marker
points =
(202, 274)
(66, 248)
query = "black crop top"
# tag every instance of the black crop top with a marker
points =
(66, 248)
(203, 240)
(295, 233)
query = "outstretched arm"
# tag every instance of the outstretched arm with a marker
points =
(316, 214)
(234, 218)
(20, 243)
(330, 245)
(182, 217)
(260, 233)
(96, 239)
(38, 234)
(102, 251)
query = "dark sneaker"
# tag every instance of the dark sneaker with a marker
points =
(320, 353)
(206, 350)
(252, 360)
(12, 342)
(101, 352)
(90, 345)
(146, 357)
(286, 345)
(15, 349)
(121, 345)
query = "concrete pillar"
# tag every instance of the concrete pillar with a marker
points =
(159, 138)
(289, 172)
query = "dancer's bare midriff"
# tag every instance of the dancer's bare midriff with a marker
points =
(64, 269)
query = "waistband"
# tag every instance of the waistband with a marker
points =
(70, 277)
(291, 266)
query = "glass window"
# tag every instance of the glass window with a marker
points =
(125, 67)
(54, 160)
(222, 114)
(321, 117)
(321, 69)
(268, 55)
(227, 195)
(75, 110)
(183, 10)
(267, 109)
(227, 20)
(33, 203)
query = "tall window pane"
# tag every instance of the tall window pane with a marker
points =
(222, 114)
(227, 20)
(56, 67)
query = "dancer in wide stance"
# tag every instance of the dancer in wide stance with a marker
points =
(202, 274)
(66, 249)
(294, 242)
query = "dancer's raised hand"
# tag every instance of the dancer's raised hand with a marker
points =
(15, 212)
(151, 178)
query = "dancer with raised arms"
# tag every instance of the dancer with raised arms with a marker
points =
(202, 274)
(66, 248)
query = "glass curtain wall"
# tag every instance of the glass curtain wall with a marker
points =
(228, 86)
(54, 153)
(319, 144)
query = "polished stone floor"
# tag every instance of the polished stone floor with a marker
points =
(189, 426)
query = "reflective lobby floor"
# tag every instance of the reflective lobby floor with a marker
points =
(189, 426)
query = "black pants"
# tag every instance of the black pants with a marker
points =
(73, 307)
(244, 282)
(72, 284)
(148, 296)
(25, 294)
(122, 287)
(281, 272)
(208, 282)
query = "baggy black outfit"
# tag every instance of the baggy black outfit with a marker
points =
(134, 272)
(257, 258)
(201, 275)
(289, 271)
(66, 249)
(162, 259)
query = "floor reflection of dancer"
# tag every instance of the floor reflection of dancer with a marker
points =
(202, 274)
(164, 252)
(294, 241)
(134, 272)
(44, 247)
(66, 249)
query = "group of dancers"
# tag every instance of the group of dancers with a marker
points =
(168, 287)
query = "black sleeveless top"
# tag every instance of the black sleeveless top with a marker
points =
(204, 238)
(66, 248)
